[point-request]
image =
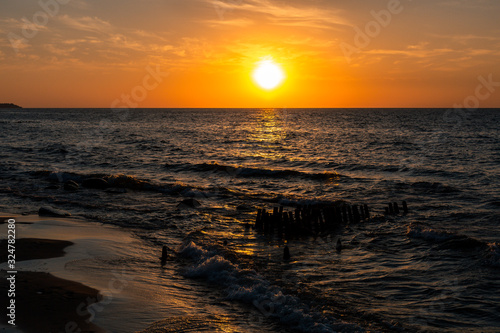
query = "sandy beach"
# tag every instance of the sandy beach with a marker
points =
(74, 274)
(48, 296)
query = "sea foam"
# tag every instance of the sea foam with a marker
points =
(249, 287)
(418, 231)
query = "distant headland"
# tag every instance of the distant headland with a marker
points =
(9, 106)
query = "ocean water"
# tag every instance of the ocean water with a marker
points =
(433, 269)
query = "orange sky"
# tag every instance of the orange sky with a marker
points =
(201, 53)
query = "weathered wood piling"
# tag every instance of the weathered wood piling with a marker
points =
(393, 208)
(315, 220)
(164, 255)
(405, 208)
(308, 220)
(286, 253)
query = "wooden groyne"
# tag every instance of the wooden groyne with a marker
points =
(393, 208)
(308, 220)
(316, 220)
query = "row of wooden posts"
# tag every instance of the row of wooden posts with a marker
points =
(315, 220)
(309, 220)
(393, 209)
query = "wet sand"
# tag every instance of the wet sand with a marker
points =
(34, 248)
(45, 303)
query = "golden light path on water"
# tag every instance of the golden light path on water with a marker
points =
(271, 130)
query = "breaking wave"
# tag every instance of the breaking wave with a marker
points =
(249, 287)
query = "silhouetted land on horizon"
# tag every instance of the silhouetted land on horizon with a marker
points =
(9, 106)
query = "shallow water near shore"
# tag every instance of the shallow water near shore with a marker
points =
(126, 271)
(433, 269)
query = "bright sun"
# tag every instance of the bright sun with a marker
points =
(268, 74)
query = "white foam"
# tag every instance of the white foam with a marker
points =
(249, 287)
(494, 254)
(418, 231)
(191, 250)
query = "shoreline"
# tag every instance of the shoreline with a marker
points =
(134, 293)
(46, 300)
(46, 303)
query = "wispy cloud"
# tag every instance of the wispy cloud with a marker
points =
(412, 52)
(241, 22)
(87, 23)
(470, 3)
(466, 39)
(14, 25)
(306, 15)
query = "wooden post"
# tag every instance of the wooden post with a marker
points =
(367, 211)
(349, 212)
(321, 222)
(290, 226)
(338, 246)
(355, 214)
(405, 208)
(164, 255)
(338, 214)
(396, 208)
(258, 221)
(286, 253)
(391, 208)
(265, 222)
(344, 214)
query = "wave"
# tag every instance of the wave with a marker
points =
(449, 240)
(249, 287)
(250, 172)
(416, 230)
(445, 238)
(494, 254)
(434, 187)
(133, 183)
(125, 182)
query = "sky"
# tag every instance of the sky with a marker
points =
(201, 53)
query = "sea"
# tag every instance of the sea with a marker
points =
(194, 180)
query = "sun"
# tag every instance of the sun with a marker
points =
(268, 74)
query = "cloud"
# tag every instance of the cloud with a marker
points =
(87, 23)
(418, 57)
(88, 42)
(412, 52)
(12, 25)
(469, 4)
(242, 22)
(109, 38)
(285, 15)
(60, 51)
(466, 39)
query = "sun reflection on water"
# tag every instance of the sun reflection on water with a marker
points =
(269, 133)
(271, 126)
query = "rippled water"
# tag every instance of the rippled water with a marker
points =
(434, 269)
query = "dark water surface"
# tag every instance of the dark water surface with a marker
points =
(435, 269)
